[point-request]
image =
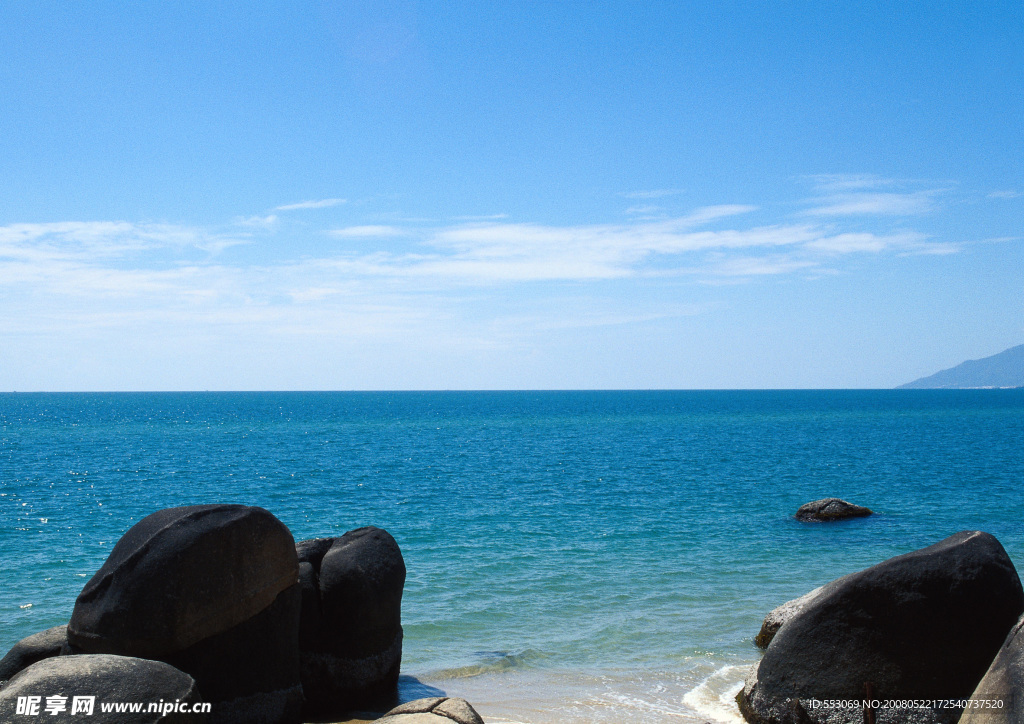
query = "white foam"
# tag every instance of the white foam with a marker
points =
(698, 694)
(715, 696)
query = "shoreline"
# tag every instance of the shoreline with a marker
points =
(702, 692)
(599, 696)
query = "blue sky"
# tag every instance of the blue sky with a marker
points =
(403, 195)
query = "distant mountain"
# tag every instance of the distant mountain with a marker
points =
(1005, 369)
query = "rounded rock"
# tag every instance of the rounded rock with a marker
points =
(829, 509)
(434, 710)
(212, 590)
(109, 679)
(351, 630)
(181, 575)
(31, 649)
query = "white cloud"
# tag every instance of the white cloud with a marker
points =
(850, 181)
(482, 217)
(118, 274)
(1004, 194)
(533, 251)
(257, 221)
(101, 239)
(869, 195)
(368, 231)
(314, 204)
(852, 243)
(747, 266)
(652, 194)
(644, 209)
(932, 250)
(105, 257)
(873, 203)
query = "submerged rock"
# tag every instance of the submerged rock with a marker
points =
(108, 679)
(828, 509)
(351, 629)
(1002, 683)
(31, 649)
(212, 590)
(924, 625)
(435, 710)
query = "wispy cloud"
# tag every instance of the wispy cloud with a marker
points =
(97, 240)
(869, 195)
(873, 203)
(1004, 194)
(257, 221)
(368, 231)
(481, 217)
(850, 243)
(652, 193)
(850, 181)
(645, 209)
(748, 266)
(707, 241)
(117, 273)
(314, 204)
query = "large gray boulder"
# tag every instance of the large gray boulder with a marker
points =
(109, 680)
(779, 616)
(33, 648)
(829, 509)
(782, 614)
(924, 625)
(212, 590)
(999, 697)
(435, 710)
(351, 631)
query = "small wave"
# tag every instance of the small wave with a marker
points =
(715, 696)
(491, 662)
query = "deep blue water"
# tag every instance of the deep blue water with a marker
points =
(544, 531)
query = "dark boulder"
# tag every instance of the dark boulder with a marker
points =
(1002, 683)
(181, 575)
(780, 615)
(313, 551)
(33, 648)
(110, 680)
(924, 625)
(213, 590)
(351, 630)
(435, 710)
(828, 509)
(251, 671)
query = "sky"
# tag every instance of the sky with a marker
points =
(390, 194)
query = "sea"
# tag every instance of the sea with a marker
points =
(602, 556)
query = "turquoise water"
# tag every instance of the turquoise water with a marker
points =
(572, 556)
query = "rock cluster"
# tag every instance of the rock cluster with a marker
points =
(218, 602)
(922, 626)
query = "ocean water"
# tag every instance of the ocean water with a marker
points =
(572, 556)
